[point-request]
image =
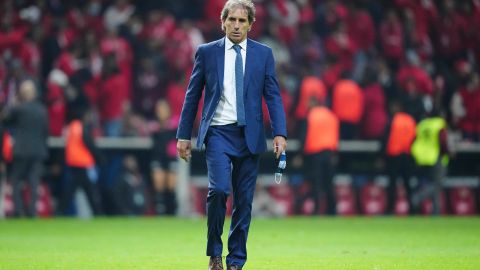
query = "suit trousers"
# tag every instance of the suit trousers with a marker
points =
(231, 166)
(321, 170)
(79, 177)
(400, 166)
(30, 170)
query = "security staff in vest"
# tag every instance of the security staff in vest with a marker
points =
(320, 144)
(81, 157)
(430, 151)
(396, 145)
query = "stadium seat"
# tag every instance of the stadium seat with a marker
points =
(401, 205)
(8, 206)
(283, 195)
(198, 199)
(199, 195)
(373, 199)
(44, 203)
(426, 206)
(345, 200)
(462, 201)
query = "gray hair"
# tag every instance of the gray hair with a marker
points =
(27, 90)
(234, 4)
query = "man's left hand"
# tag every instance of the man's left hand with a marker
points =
(279, 145)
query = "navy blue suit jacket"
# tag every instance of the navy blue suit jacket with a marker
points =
(259, 81)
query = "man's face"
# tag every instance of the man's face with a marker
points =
(236, 25)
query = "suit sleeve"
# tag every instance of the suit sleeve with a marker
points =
(192, 97)
(271, 93)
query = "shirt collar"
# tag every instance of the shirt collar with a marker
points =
(229, 44)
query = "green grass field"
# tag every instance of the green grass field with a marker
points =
(294, 243)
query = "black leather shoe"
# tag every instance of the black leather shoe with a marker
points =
(234, 267)
(215, 263)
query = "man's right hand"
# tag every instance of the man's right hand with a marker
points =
(184, 149)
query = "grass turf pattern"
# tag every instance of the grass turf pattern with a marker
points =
(356, 243)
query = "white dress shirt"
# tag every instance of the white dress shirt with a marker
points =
(226, 112)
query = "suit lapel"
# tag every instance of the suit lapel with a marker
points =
(220, 61)
(250, 62)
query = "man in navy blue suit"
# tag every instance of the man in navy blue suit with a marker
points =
(234, 73)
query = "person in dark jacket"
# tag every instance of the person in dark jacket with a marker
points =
(130, 190)
(29, 125)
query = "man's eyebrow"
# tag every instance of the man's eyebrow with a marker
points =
(235, 18)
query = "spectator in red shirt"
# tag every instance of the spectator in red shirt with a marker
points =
(328, 16)
(416, 39)
(307, 50)
(113, 43)
(148, 88)
(261, 21)
(341, 45)
(118, 14)
(470, 14)
(375, 116)
(360, 27)
(178, 51)
(29, 51)
(211, 10)
(69, 61)
(176, 93)
(14, 74)
(159, 26)
(414, 71)
(449, 35)
(425, 12)
(89, 17)
(194, 35)
(285, 14)
(391, 39)
(331, 71)
(466, 108)
(112, 98)
(11, 37)
(56, 105)
(362, 32)
(93, 53)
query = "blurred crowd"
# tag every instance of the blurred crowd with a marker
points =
(117, 58)
(124, 63)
